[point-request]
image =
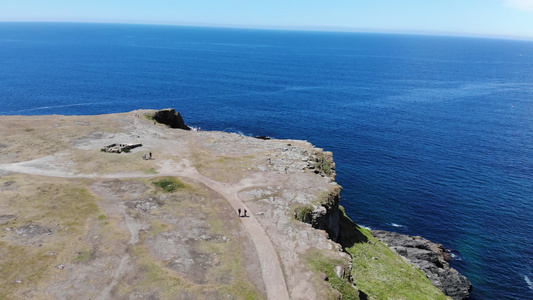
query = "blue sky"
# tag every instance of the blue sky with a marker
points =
(466, 17)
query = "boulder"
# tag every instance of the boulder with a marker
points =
(431, 258)
(171, 117)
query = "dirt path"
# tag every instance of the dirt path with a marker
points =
(106, 292)
(268, 257)
(273, 277)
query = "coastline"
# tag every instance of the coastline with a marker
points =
(277, 181)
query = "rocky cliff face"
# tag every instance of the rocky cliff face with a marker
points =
(171, 118)
(327, 216)
(432, 259)
(324, 213)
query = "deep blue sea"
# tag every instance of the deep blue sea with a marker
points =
(432, 136)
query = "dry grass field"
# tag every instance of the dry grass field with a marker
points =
(80, 223)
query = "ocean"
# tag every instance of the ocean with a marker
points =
(432, 135)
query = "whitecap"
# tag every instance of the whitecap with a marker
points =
(58, 106)
(456, 257)
(396, 225)
(366, 227)
(529, 283)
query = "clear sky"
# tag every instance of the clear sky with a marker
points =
(470, 17)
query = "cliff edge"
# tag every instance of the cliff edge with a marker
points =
(186, 214)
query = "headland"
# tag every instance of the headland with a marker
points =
(184, 214)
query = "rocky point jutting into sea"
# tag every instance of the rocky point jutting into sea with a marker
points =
(189, 214)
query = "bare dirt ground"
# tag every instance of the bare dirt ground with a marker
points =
(79, 223)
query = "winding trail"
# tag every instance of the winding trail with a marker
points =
(273, 277)
(270, 266)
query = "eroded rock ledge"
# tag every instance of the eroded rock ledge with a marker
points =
(171, 118)
(431, 258)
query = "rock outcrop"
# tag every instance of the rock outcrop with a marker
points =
(431, 258)
(324, 213)
(321, 162)
(325, 216)
(171, 118)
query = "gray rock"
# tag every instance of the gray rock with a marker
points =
(431, 258)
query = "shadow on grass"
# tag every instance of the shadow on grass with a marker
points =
(350, 233)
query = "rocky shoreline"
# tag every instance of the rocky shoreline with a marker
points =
(431, 258)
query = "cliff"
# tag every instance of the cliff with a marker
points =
(326, 214)
(427, 256)
(209, 215)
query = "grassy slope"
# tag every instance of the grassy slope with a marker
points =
(380, 272)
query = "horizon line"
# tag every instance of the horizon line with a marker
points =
(304, 28)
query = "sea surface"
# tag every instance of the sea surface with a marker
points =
(432, 136)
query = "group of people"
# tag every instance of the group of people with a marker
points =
(147, 156)
(243, 215)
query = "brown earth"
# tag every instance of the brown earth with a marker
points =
(79, 223)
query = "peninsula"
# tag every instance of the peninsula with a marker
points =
(136, 205)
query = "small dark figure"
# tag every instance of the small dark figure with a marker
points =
(239, 210)
(244, 213)
(150, 155)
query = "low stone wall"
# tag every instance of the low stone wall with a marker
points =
(119, 148)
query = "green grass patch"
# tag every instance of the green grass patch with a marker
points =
(324, 163)
(149, 117)
(379, 271)
(322, 264)
(102, 217)
(303, 213)
(170, 185)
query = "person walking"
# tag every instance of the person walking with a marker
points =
(239, 210)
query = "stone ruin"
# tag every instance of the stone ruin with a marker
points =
(118, 148)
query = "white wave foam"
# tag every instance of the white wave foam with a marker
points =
(455, 256)
(57, 106)
(529, 283)
(396, 225)
(366, 227)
